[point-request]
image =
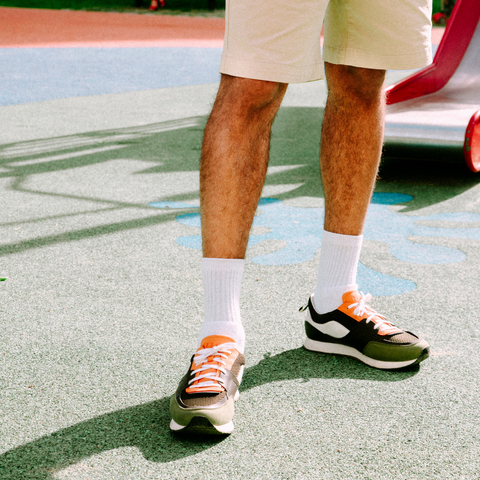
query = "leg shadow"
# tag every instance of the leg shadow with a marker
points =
(146, 426)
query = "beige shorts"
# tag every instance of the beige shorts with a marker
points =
(280, 40)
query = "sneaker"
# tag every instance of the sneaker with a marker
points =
(358, 331)
(204, 401)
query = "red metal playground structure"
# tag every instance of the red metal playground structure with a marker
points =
(435, 113)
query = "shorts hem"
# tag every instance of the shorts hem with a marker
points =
(271, 72)
(363, 59)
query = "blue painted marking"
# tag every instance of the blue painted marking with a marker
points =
(300, 230)
(37, 74)
(381, 285)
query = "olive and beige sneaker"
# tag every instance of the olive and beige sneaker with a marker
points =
(356, 330)
(205, 398)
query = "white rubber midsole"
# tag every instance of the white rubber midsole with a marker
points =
(337, 349)
(227, 428)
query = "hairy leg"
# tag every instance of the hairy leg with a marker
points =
(351, 145)
(234, 162)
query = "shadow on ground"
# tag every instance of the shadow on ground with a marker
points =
(174, 147)
(146, 426)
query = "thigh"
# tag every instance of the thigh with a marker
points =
(274, 40)
(378, 34)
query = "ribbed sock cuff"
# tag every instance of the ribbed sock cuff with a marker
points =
(222, 280)
(337, 270)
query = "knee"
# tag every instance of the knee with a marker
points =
(361, 85)
(251, 95)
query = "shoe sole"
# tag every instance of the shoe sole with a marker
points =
(200, 423)
(201, 426)
(337, 349)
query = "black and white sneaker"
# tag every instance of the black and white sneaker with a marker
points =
(356, 330)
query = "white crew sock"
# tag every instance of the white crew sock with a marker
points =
(337, 271)
(222, 279)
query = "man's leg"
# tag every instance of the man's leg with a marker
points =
(351, 144)
(233, 166)
(352, 136)
(339, 319)
(234, 162)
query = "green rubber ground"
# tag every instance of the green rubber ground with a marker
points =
(101, 309)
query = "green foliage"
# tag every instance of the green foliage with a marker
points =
(437, 6)
(112, 4)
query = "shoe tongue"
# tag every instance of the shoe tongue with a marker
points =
(351, 297)
(215, 340)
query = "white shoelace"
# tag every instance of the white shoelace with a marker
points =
(219, 353)
(361, 309)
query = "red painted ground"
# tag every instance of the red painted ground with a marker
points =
(62, 28)
(27, 27)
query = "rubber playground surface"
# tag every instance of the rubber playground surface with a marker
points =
(101, 125)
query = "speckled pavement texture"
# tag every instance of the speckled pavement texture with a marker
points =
(103, 298)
